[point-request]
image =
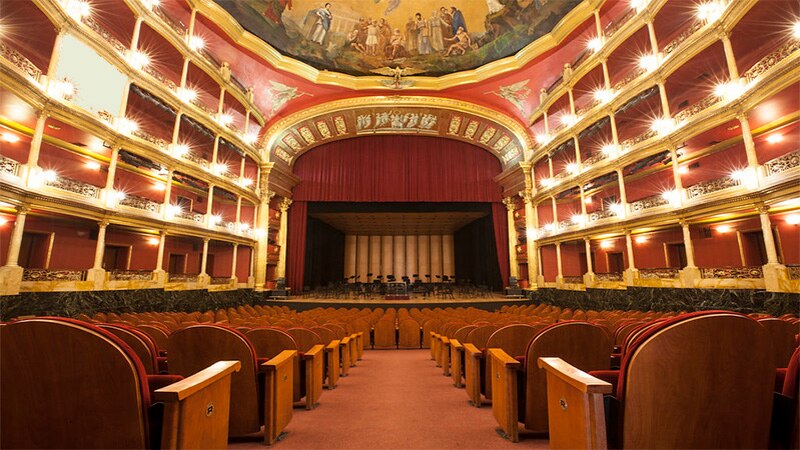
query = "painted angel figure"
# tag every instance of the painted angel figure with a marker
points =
(516, 93)
(397, 73)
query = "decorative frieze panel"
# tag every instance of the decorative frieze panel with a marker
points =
(105, 34)
(158, 142)
(628, 143)
(216, 281)
(573, 279)
(9, 166)
(53, 275)
(793, 271)
(602, 214)
(783, 163)
(193, 216)
(732, 272)
(176, 25)
(202, 162)
(636, 73)
(710, 186)
(675, 43)
(183, 278)
(160, 77)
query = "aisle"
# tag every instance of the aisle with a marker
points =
(395, 399)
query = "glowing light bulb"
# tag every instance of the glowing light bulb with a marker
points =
(663, 126)
(588, 200)
(216, 219)
(179, 150)
(604, 95)
(595, 44)
(728, 91)
(187, 95)
(683, 170)
(577, 219)
(77, 9)
(127, 126)
(639, 5)
(772, 138)
(196, 43)
(151, 4)
(543, 138)
(610, 150)
(250, 138)
(616, 208)
(710, 11)
(10, 137)
(649, 62)
(569, 119)
(573, 168)
(793, 219)
(153, 241)
(225, 119)
(61, 89)
(49, 176)
(746, 177)
(246, 182)
(160, 186)
(606, 244)
(92, 165)
(724, 228)
(641, 239)
(796, 30)
(138, 59)
(244, 226)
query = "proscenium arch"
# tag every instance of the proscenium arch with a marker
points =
(495, 132)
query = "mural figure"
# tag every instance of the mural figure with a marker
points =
(323, 23)
(357, 36)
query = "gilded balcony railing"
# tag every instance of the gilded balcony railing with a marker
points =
(707, 187)
(193, 216)
(653, 201)
(614, 26)
(684, 114)
(772, 59)
(611, 276)
(628, 143)
(635, 73)
(220, 280)
(793, 271)
(176, 25)
(53, 275)
(145, 204)
(732, 272)
(75, 186)
(594, 159)
(158, 142)
(573, 279)
(202, 162)
(783, 163)
(9, 166)
(602, 214)
(20, 61)
(105, 34)
(183, 277)
(130, 275)
(661, 272)
(153, 72)
(681, 38)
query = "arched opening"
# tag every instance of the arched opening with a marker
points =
(411, 204)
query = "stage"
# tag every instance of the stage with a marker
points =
(492, 303)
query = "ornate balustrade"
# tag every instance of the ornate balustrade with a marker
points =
(176, 25)
(158, 142)
(783, 163)
(610, 276)
(681, 38)
(9, 166)
(20, 61)
(661, 272)
(199, 104)
(702, 105)
(183, 277)
(53, 275)
(220, 280)
(594, 159)
(602, 214)
(75, 186)
(732, 272)
(105, 34)
(573, 279)
(793, 271)
(707, 187)
(772, 59)
(628, 143)
(134, 201)
(565, 224)
(150, 70)
(130, 275)
(202, 162)
(580, 111)
(636, 73)
(614, 26)
(190, 215)
(653, 201)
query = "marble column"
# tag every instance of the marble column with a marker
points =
(776, 276)
(97, 275)
(512, 238)
(234, 261)
(689, 275)
(204, 277)
(283, 233)
(588, 277)
(159, 273)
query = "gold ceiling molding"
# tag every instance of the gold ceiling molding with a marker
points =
(240, 36)
(498, 133)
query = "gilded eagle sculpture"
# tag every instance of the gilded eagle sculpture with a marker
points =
(397, 75)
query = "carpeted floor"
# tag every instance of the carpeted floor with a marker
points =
(394, 400)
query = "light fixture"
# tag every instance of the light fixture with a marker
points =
(260, 233)
(216, 219)
(569, 119)
(196, 43)
(746, 177)
(187, 95)
(153, 241)
(663, 126)
(179, 150)
(77, 9)
(151, 4)
(138, 59)
(649, 62)
(641, 239)
(219, 168)
(225, 119)
(772, 138)
(616, 208)
(246, 182)
(173, 210)
(250, 138)
(671, 196)
(610, 150)
(543, 138)
(604, 95)
(724, 229)
(550, 227)
(49, 176)
(92, 165)
(531, 234)
(549, 182)
(639, 5)
(710, 11)
(728, 91)
(796, 30)
(793, 219)
(606, 244)
(588, 200)
(126, 126)
(577, 219)
(595, 44)
(573, 168)
(3, 221)
(61, 89)
(683, 170)
(159, 186)
(244, 226)
(10, 137)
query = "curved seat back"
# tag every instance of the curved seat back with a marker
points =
(339, 332)
(305, 338)
(702, 380)
(194, 348)
(140, 342)
(783, 335)
(68, 384)
(158, 334)
(385, 334)
(325, 333)
(269, 342)
(513, 339)
(480, 335)
(581, 344)
(461, 334)
(428, 326)
(409, 334)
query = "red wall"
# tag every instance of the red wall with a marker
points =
(549, 262)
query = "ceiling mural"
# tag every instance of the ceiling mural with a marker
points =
(363, 37)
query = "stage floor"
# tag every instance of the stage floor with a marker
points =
(489, 303)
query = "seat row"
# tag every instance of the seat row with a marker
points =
(678, 380)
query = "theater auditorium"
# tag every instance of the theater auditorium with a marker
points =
(399, 224)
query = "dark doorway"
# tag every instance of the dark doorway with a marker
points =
(616, 263)
(209, 264)
(115, 257)
(584, 267)
(33, 250)
(676, 253)
(755, 252)
(177, 263)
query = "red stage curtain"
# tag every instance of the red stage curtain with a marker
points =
(500, 222)
(393, 168)
(296, 241)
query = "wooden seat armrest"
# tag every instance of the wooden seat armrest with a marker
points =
(283, 357)
(313, 352)
(197, 408)
(332, 345)
(345, 340)
(503, 357)
(574, 406)
(278, 393)
(445, 340)
(576, 378)
(472, 352)
(194, 383)
(455, 344)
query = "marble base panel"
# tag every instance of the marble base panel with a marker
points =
(666, 299)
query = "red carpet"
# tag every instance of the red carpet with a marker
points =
(394, 399)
